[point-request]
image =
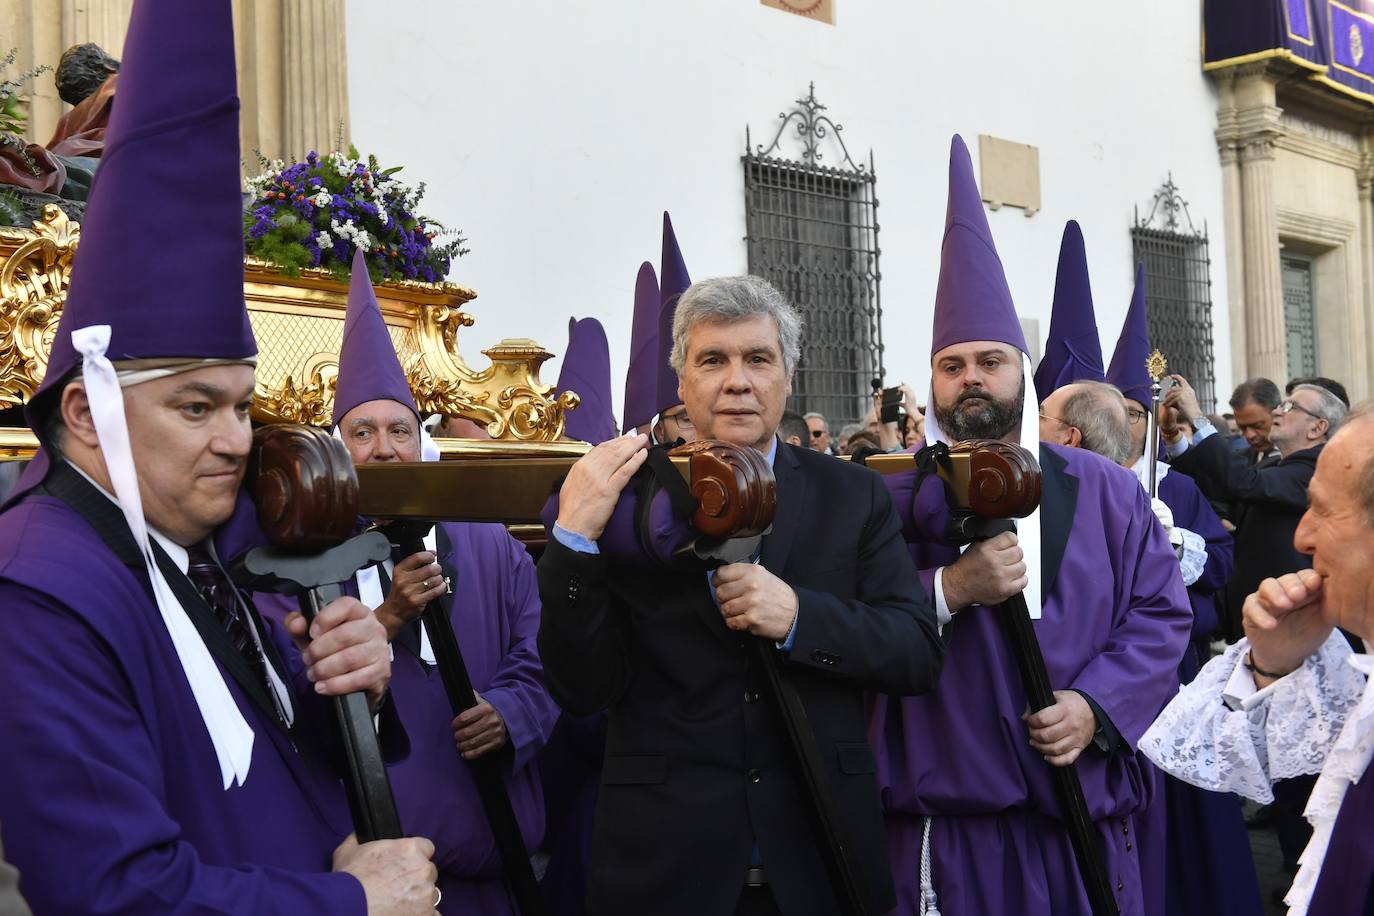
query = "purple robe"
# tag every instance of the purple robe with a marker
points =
(1115, 624)
(495, 614)
(113, 799)
(570, 769)
(1345, 886)
(1192, 511)
(1202, 864)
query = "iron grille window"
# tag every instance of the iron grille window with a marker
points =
(813, 233)
(1178, 289)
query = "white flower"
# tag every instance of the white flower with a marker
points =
(323, 240)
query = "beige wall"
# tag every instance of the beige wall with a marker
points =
(1298, 174)
(292, 69)
(1317, 193)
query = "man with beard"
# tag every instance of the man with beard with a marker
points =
(974, 825)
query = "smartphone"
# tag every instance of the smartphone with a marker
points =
(892, 410)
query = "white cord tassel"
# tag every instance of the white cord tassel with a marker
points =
(930, 904)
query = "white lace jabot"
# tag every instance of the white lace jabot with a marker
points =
(1221, 734)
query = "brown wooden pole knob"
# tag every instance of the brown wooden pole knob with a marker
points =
(303, 484)
(994, 479)
(733, 486)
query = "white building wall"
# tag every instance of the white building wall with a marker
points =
(555, 133)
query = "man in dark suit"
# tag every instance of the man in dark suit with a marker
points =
(1254, 401)
(701, 811)
(1271, 497)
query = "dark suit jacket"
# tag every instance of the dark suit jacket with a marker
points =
(1269, 498)
(697, 766)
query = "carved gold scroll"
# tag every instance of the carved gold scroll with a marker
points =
(298, 322)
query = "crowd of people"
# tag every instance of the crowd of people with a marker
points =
(825, 716)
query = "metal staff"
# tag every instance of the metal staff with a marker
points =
(1156, 365)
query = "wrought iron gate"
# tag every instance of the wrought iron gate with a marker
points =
(813, 233)
(1178, 288)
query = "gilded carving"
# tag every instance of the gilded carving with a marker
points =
(298, 322)
(507, 397)
(33, 285)
(311, 403)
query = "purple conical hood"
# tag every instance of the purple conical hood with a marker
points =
(673, 282)
(161, 256)
(972, 299)
(1073, 352)
(1127, 370)
(641, 379)
(368, 367)
(587, 371)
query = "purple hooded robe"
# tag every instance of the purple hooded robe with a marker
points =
(113, 799)
(1345, 886)
(1206, 866)
(1114, 626)
(495, 614)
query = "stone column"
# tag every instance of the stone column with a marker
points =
(1228, 147)
(1361, 367)
(258, 46)
(101, 21)
(315, 80)
(1257, 124)
(35, 28)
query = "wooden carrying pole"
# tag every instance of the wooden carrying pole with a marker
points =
(517, 490)
(989, 483)
(486, 770)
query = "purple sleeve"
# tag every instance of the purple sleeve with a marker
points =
(82, 807)
(1197, 515)
(517, 690)
(1135, 673)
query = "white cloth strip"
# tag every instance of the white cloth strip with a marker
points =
(229, 731)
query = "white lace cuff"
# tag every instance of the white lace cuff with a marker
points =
(1281, 732)
(1194, 558)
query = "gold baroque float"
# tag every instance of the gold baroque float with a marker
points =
(298, 322)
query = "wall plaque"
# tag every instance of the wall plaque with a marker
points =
(820, 10)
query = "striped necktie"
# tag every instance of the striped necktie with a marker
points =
(219, 593)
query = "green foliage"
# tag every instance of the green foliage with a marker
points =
(12, 117)
(11, 208)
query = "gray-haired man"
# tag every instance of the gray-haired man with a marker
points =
(700, 810)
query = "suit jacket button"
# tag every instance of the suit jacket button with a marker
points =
(818, 656)
(836, 659)
(751, 696)
(754, 775)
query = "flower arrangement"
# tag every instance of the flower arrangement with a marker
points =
(316, 213)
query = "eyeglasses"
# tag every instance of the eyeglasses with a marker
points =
(681, 418)
(1136, 415)
(1056, 420)
(1291, 405)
